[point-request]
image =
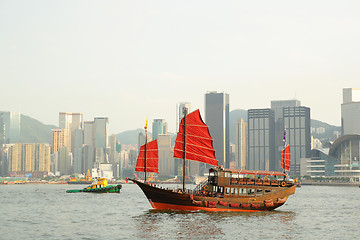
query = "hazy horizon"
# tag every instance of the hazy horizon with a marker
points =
(132, 60)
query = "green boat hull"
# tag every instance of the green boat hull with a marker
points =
(107, 189)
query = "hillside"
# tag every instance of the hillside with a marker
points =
(33, 131)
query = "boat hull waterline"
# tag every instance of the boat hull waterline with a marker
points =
(107, 189)
(164, 199)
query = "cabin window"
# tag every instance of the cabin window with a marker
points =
(227, 174)
(235, 191)
(227, 190)
(242, 191)
(267, 191)
(251, 191)
(259, 191)
(215, 188)
(221, 190)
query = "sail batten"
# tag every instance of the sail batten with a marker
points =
(152, 158)
(199, 144)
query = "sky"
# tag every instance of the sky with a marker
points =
(132, 60)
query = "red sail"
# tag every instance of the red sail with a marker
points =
(199, 144)
(285, 158)
(152, 158)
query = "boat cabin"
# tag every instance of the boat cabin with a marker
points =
(243, 182)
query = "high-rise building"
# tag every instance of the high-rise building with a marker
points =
(57, 139)
(9, 127)
(277, 106)
(240, 144)
(261, 134)
(166, 162)
(350, 111)
(217, 118)
(30, 157)
(101, 132)
(70, 122)
(159, 126)
(89, 136)
(297, 124)
(180, 112)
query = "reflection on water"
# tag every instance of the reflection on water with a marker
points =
(214, 225)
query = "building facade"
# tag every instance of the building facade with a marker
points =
(350, 111)
(10, 123)
(217, 119)
(297, 124)
(159, 126)
(241, 144)
(261, 135)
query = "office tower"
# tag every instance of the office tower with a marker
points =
(89, 137)
(113, 158)
(297, 123)
(159, 126)
(57, 139)
(77, 151)
(217, 118)
(180, 112)
(277, 106)
(70, 122)
(350, 111)
(261, 134)
(9, 127)
(240, 144)
(64, 161)
(166, 162)
(101, 132)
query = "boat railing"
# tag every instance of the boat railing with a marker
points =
(200, 186)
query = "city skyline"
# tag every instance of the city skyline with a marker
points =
(138, 60)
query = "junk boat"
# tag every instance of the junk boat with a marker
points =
(225, 189)
(101, 186)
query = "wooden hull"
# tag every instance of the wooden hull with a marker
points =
(165, 199)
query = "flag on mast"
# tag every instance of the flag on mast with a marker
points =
(146, 123)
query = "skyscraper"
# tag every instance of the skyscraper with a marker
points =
(350, 111)
(159, 126)
(261, 134)
(57, 139)
(180, 112)
(217, 118)
(9, 127)
(297, 123)
(240, 144)
(101, 132)
(277, 106)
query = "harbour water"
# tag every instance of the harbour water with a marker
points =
(47, 212)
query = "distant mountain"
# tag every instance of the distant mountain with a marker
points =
(131, 136)
(33, 131)
(328, 134)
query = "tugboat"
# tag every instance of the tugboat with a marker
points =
(225, 189)
(101, 186)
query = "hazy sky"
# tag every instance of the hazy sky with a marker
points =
(129, 60)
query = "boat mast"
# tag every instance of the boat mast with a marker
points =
(145, 149)
(184, 148)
